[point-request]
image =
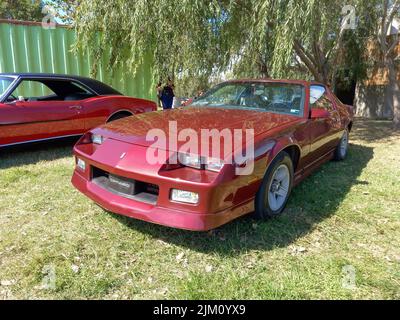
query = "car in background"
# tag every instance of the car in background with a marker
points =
(36, 107)
(187, 101)
(298, 126)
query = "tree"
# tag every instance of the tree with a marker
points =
(388, 44)
(64, 10)
(308, 39)
(267, 38)
(29, 10)
(322, 33)
(177, 35)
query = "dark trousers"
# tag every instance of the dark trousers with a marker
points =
(167, 102)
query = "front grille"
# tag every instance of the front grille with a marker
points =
(125, 187)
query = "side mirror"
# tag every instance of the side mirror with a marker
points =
(319, 114)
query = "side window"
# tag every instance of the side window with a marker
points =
(31, 90)
(49, 90)
(319, 98)
(80, 88)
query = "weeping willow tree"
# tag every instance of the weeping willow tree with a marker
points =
(201, 39)
(180, 36)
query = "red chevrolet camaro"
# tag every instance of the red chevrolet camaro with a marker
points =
(256, 139)
(36, 107)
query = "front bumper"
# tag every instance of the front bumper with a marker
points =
(152, 213)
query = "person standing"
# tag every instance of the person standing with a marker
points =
(167, 95)
(159, 90)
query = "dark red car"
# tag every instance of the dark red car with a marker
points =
(296, 125)
(35, 107)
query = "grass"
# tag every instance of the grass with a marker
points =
(344, 217)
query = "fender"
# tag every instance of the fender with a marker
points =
(281, 144)
(115, 104)
(269, 149)
(118, 111)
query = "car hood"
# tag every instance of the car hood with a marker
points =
(135, 129)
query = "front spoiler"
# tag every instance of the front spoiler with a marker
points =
(163, 216)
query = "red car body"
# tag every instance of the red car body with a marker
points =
(310, 139)
(74, 106)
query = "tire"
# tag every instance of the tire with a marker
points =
(118, 116)
(265, 206)
(343, 147)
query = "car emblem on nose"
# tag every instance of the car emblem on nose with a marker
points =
(123, 155)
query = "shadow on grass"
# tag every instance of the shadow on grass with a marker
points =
(373, 130)
(26, 154)
(314, 200)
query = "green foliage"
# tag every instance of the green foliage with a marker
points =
(192, 84)
(317, 29)
(252, 38)
(176, 34)
(28, 10)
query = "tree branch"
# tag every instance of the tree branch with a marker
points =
(335, 52)
(309, 56)
(337, 45)
(311, 67)
(393, 46)
(301, 67)
(383, 31)
(391, 15)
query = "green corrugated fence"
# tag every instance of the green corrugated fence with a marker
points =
(27, 47)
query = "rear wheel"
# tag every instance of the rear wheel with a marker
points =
(343, 147)
(274, 192)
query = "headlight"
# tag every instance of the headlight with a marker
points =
(190, 160)
(215, 165)
(198, 162)
(81, 164)
(97, 138)
(184, 196)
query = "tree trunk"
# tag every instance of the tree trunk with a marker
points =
(392, 93)
(263, 69)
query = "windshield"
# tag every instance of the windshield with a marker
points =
(5, 83)
(283, 98)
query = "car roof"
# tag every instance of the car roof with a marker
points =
(96, 86)
(266, 80)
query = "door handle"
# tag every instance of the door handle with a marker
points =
(75, 107)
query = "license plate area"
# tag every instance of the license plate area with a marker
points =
(121, 185)
(125, 187)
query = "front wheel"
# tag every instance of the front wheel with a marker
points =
(273, 195)
(343, 147)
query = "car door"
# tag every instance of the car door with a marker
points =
(38, 113)
(325, 132)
